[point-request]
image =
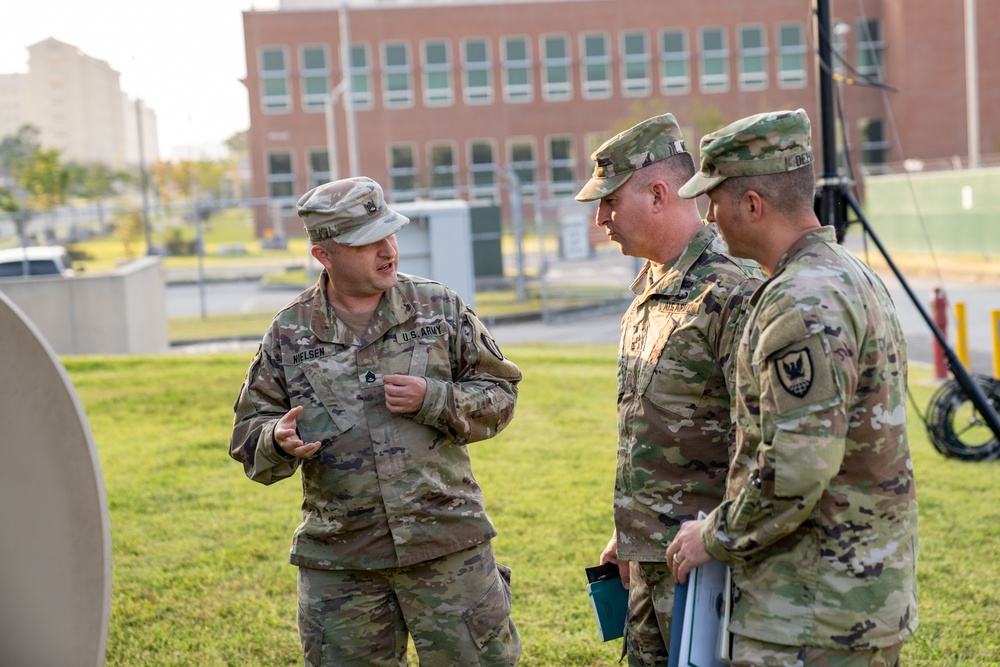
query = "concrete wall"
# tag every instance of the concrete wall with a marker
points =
(960, 211)
(123, 312)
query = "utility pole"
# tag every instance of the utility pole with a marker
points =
(142, 178)
(972, 83)
(348, 93)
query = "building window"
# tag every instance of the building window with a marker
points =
(753, 58)
(315, 78)
(478, 87)
(437, 75)
(562, 166)
(874, 147)
(482, 171)
(636, 80)
(319, 167)
(522, 162)
(280, 176)
(442, 168)
(595, 67)
(402, 172)
(361, 77)
(714, 60)
(870, 48)
(556, 84)
(517, 70)
(396, 75)
(791, 56)
(675, 62)
(275, 97)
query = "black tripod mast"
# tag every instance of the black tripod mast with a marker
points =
(834, 199)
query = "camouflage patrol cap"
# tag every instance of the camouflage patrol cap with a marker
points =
(351, 211)
(650, 141)
(766, 143)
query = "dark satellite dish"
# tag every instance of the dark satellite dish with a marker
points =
(55, 536)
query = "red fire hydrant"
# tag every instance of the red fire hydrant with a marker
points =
(939, 312)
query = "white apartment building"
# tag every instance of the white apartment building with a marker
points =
(78, 106)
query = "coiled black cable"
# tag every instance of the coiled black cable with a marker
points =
(955, 426)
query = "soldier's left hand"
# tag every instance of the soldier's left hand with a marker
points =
(686, 552)
(404, 393)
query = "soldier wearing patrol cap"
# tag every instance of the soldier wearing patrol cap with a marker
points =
(674, 366)
(371, 383)
(819, 524)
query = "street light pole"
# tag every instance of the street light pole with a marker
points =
(331, 132)
(345, 82)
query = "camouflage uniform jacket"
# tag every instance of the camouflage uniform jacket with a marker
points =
(820, 520)
(384, 490)
(674, 375)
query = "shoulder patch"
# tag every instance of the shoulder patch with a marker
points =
(795, 372)
(491, 345)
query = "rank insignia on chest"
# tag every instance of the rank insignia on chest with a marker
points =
(795, 372)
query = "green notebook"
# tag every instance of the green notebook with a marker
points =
(609, 599)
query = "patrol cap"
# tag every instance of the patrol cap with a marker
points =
(766, 143)
(351, 211)
(650, 141)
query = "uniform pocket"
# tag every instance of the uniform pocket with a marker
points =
(311, 636)
(489, 623)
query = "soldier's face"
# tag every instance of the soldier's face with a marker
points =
(361, 271)
(723, 211)
(623, 215)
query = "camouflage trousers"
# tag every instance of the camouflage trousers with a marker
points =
(752, 653)
(650, 607)
(456, 608)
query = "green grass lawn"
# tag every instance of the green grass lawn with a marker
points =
(200, 553)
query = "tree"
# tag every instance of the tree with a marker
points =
(16, 149)
(129, 226)
(238, 143)
(44, 179)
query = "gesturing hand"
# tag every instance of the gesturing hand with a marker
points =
(286, 435)
(404, 393)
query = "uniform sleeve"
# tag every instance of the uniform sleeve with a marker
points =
(263, 400)
(479, 402)
(803, 426)
(732, 318)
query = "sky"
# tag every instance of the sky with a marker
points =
(182, 58)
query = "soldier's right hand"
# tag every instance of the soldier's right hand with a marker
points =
(286, 435)
(610, 555)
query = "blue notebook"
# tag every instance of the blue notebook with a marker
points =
(609, 599)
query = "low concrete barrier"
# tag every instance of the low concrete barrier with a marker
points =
(119, 312)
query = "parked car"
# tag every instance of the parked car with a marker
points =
(41, 261)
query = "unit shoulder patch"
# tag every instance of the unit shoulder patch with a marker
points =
(795, 372)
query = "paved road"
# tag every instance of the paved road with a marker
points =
(603, 328)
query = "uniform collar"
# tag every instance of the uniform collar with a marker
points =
(393, 309)
(821, 235)
(667, 280)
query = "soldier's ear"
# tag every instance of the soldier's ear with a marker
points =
(753, 205)
(661, 194)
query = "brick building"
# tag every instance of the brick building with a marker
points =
(449, 98)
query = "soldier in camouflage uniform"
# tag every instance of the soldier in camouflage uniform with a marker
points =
(674, 365)
(372, 383)
(819, 524)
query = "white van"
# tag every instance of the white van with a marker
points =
(41, 261)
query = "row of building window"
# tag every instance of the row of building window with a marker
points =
(595, 65)
(440, 180)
